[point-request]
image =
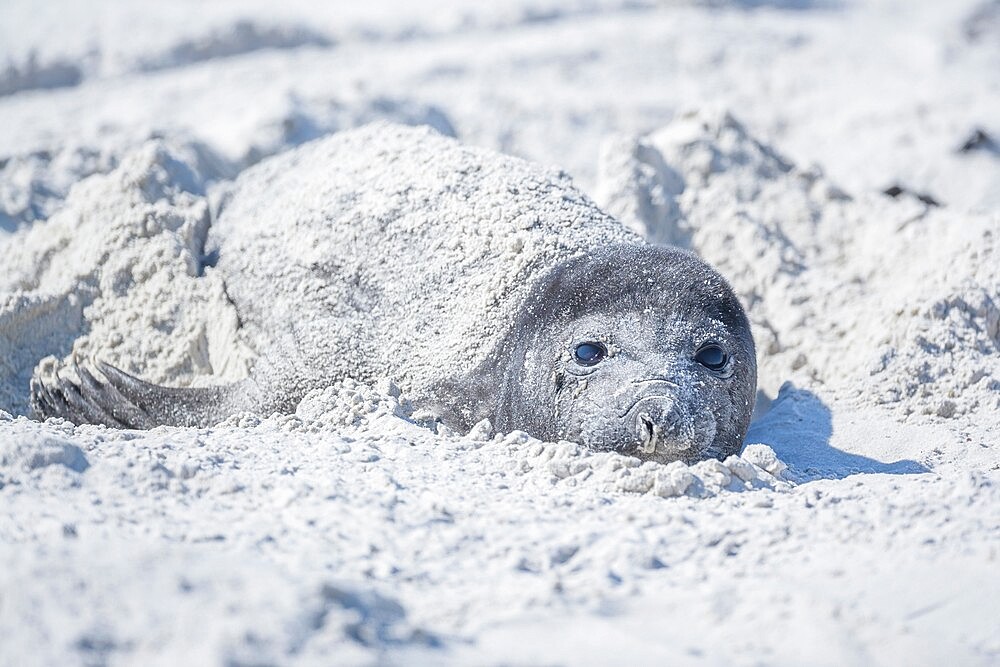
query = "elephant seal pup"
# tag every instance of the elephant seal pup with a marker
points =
(488, 288)
(636, 348)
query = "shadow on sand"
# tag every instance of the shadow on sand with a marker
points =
(799, 426)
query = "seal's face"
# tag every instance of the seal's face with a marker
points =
(649, 383)
(638, 349)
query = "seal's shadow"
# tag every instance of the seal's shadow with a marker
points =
(798, 426)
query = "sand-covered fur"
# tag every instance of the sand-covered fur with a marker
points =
(395, 252)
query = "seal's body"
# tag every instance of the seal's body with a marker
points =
(486, 287)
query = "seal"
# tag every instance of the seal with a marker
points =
(485, 286)
(635, 348)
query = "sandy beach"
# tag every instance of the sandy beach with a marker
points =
(838, 162)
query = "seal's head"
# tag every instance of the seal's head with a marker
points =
(639, 349)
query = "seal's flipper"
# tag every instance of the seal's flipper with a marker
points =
(125, 401)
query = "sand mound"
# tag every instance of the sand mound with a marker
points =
(117, 272)
(894, 301)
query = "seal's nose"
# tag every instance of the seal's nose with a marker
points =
(654, 422)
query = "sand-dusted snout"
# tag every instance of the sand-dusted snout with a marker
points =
(658, 419)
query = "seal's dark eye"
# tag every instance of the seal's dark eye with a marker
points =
(589, 354)
(712, 356)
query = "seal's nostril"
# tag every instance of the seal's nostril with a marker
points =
(649, 433)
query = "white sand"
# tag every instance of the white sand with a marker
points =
(861, 524)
